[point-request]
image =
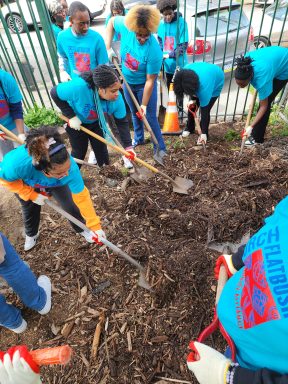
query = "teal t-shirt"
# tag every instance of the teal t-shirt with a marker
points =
(253, 307)
(137, 60)
(168, 33)
(81, 99)
(81, 53)
(9, 93)
(117, 36)
(56, 30)
(211, 81)
(17, 165)
(269, 63)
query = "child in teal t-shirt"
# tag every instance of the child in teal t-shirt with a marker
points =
(173, 38)
(77, 99)
(79, 48)
(267, 70)
(203, 81)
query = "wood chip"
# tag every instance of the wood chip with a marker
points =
(67, 329)
(97, 334)
(159, 339)
(129, 341)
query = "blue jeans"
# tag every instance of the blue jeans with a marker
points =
(151, 116)
(23, 282)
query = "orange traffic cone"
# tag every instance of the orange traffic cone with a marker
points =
(171, 122)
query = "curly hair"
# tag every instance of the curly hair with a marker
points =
(117, 5)
(102, 76)
(186, 81)
(244, 70)
(165, 5)
(46, 147)
(143, 17)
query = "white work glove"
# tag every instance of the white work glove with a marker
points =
(75, 123)
(202, 139)
(165, 55)
(111, 54)
(94, 236)
(132, 153)
(19, 368)
(246, 132)
(144, 108)
(40, 200)
(22, 137)
(64, 77)
(208, 365)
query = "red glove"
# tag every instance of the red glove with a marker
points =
(132, 154)
(2, 136)
(192, 108)
(226, 260)
(141, 114)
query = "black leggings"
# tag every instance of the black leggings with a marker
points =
(259, 129)
(205, 117)
(79, 143)
(31, 211)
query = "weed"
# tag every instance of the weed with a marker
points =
(37, 116)
(125, 172)
(231, 135)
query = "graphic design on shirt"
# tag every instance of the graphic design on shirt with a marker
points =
(256, 305)
(169, 43)
(82, 61)
(92, 115)
(89, 112)
(131, 62)
(4, 108)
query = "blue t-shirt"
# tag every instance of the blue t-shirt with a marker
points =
(269, 63)
(168, 33)
(81, 99)
(9, 94)
(253, 307)
(211, 81)
(81, 53)
(17, 165)
(137, 60)
(56, 30)
(117, 36)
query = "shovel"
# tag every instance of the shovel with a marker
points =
(11, 136)
(250, 112)
(180, 184)
(142, 282)
(198, 128)
(157, 156)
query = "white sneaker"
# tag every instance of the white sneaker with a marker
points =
(22, 327)
(92, 158)
(45, 283)
(250, 142)
(127, 162)
(88, 236)
(30, 242)
(185, 133)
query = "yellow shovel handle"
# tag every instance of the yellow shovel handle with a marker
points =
(11, 134)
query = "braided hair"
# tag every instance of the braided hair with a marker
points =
(186, 82)
(102, 76)
(46, 147)
(244, 70)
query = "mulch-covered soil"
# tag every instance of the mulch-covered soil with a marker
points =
(145, 334)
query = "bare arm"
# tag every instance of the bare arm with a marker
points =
(19, 125)
(109, 33)
(261, 112)
(148, 88)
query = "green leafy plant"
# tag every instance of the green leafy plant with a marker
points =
(37, 116)
(231, 135)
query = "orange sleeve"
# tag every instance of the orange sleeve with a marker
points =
(23, 190)
(85, 205)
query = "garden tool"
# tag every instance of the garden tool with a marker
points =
(157, 156)
(11, 136)
(222, 279)
(180, 184)
(141, 174)
(250, 112)
(197, 123)
(142, 282)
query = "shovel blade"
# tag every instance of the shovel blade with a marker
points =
(142, 282)
(181, 185)
(141, 174)
(159, 156)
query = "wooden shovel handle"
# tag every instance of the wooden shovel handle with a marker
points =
(11, 134)
(222, 279)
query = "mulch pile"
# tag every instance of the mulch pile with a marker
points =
(145, 335)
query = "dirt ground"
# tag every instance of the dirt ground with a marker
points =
(145, 335)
